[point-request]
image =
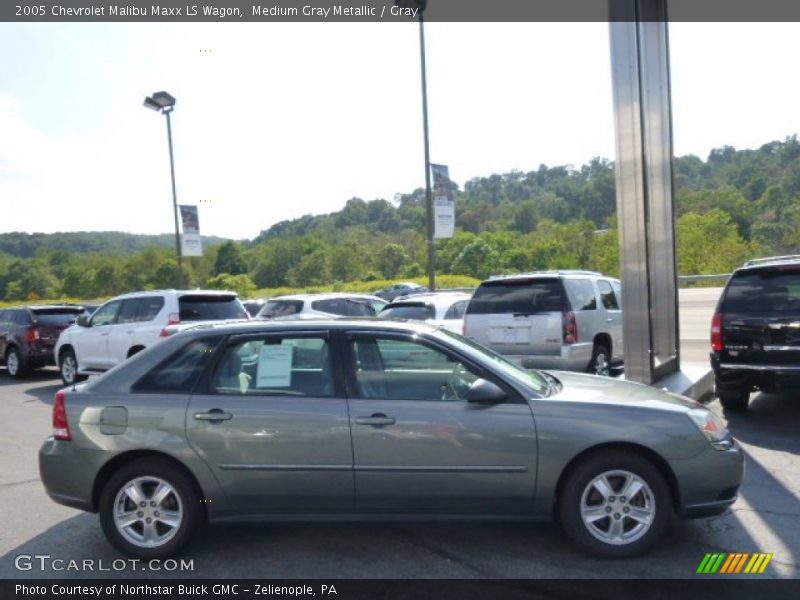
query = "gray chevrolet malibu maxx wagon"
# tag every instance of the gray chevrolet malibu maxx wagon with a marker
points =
(355, 419)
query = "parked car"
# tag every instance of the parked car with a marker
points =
(445, 309)
(130, 323)
(396, 290)
(29, 333)
(569, 320)
(755, 331)
(88, 309)
(313, 306)
(253, 307)
(316, 419)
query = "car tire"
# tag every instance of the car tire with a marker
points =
(600, 364)
(68, 368)
(735, 401)
(605, 523)
(159, 537)
(15, 364)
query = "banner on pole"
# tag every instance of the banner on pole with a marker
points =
(190, 224)
(443, 203)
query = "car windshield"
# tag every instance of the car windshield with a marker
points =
(418, 311)
(56, 317)
(527, 377)
(211, 308)
(775, 290)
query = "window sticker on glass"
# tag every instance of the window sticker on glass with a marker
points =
(274, 366)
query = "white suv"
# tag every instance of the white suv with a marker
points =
(132, 322)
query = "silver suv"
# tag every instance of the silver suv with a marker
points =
(568, 320)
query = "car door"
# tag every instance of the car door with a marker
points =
(272, 424)
(91, 343)
(610, 301)
(120, 334)
(4, 323)
(418, 445)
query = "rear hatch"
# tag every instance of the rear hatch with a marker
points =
(419, 311)
(761, 316)
(210, 307)
(518, 316)
(51, 321)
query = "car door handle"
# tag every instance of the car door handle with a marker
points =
(376, 420)
(215, 414)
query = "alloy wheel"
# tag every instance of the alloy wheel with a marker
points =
(12, 363)
(618, 507)
(148, 512)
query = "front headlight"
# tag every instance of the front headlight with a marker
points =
(712, 427)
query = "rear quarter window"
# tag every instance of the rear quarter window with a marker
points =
(281, 308)
(345, 307)
(764, 291)
(526, 296)
(210, 308)
(179, 373)
(581, 294)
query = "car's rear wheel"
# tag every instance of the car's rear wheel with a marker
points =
(601, 361)
(615, 504)
(734, 400)
(15, 365)
(149, 509)
(68, 366)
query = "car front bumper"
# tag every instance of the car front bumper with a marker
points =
(709, 483)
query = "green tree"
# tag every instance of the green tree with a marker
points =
(241, 284)
(391, 259)
(230, 260)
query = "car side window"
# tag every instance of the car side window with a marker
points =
(607, 295)
(456, 311)
(127, 312)
(179, 373)
(276, 366)
(581, 294)
(106, 314)
(393, 369)
(617, 292)
(149, 307)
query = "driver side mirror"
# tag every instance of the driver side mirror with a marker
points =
(485, 392)
(82, 321)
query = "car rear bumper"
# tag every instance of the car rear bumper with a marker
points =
(750, 374)
(574, 357)
(67, 473)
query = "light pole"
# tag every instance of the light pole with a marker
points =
(428, 196)
(165, 104)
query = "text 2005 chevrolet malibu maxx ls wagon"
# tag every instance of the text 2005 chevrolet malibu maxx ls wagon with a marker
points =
(373, 419)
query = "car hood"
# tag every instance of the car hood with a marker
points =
(607, 390)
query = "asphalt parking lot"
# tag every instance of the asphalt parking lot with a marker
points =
(766, 518)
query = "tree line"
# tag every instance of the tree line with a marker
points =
(734, 205)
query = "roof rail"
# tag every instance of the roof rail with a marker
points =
(549, 272)
(768, 259)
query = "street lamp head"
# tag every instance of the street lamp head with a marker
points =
(160, 101)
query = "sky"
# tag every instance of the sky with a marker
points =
(277, 120)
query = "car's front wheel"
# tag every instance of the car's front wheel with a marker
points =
(149, 509)
(68, 366)
(615, 504)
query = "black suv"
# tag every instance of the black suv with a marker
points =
(29, 333)
(755, 332)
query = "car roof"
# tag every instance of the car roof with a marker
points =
(430, 298)
(567, 273)
(197, 292)
(327, 296)
(770, 261)
(321, 324)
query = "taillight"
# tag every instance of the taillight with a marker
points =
(31, 334)
(60, 425)
(174, 319)
(716, 333)
(570, 328)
